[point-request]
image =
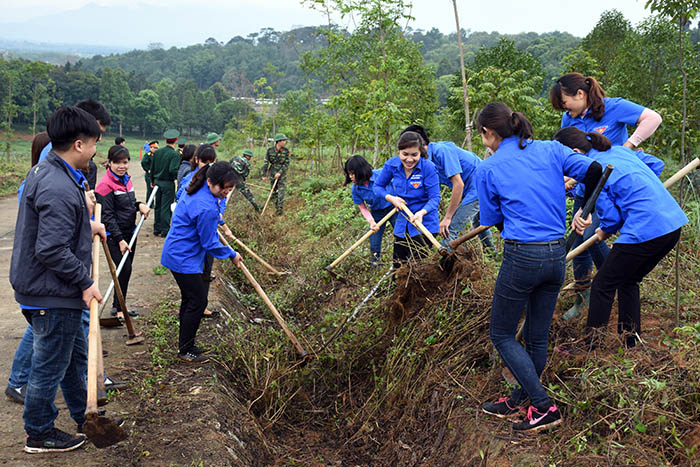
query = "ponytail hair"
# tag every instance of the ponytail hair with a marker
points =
(570, 83)
(219, 173)
(576, 139)
(38, 144)
(498, 117)
(411, 139)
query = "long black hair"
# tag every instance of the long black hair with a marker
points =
(411, 139)
(188, 152)
(360, 167)
(498, 117)
(570, 83)
(219, 173)
(205, 153)
(576, 139)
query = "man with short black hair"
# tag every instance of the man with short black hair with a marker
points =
(119, 141)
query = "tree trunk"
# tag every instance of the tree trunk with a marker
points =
(680, 195)
(467, 121)
(120, 128)
(376, 145)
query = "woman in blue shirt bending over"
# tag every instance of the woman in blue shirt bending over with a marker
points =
(359, 172)
(585, 107)
(635, 203)
(191, 237)
(414, 182)
(521, 190)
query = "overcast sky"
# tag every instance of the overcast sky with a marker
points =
(223, 19)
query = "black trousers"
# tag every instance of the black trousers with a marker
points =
(410, 249)
(193, 290)
(622, 271)
(125, 273)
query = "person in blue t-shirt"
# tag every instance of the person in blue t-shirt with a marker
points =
(414, 182)
(521, 191)
(585, 107)
(455, 168)
(635, 203)
(373, 208)
(192, 236)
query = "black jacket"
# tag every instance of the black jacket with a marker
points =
(51, 256)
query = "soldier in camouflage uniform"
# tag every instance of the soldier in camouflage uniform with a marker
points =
(276, 164)
(241, 165)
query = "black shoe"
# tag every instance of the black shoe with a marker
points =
(102, 413)
(54, 441)
(111, 385)
(192, 357)
(133, 314)
(16, 394)
(502, 408)
(213, 314)
(537, 421)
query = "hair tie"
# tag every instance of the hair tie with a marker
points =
(589, 138)
(588, 81)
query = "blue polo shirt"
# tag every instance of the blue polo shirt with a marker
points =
(450, 160)
(524, 188)
(618, 114)
(421, 190)
(365, 194)
(634, 201)
(193, 234)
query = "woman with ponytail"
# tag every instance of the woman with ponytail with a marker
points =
(521, 191)
(585, 107)
(635, 203)
(193, 235)
(115, 192)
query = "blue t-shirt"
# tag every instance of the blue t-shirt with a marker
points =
(193, 234)
(451, 160)
(634, 201)
(524, 188)
(421, 190)
(186, 182)
(365, 194)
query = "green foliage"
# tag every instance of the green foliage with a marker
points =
(604, 41)
(580, 61)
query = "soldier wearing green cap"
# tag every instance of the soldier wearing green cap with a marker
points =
(213, 139)
(241, 165)
(277, 163)
(147, 166)
(181, 145)
(166, 162)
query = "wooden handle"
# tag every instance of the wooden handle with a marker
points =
(118, 290)
(421, 227)
(94, 332)
(362, 239)
(269, 196)
(467, 236)
(581, 248)
(682, 173)
(258, 258)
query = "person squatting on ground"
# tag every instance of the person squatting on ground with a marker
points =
(50, 273)
(635, 203)
(185, 163)
(372, 206)
(115, 192)
(166, 162)
(411, 180)
(585, 107)
(194, 235)
(275, 167)
(147, 166)
(241, 165)
(455, 168)
(521, 190)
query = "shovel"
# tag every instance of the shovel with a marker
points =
(272, 190)
(258, 258)
(102, 431)
(590, 204)
(421, 227)
(682, 173)
(270, 306)
(134, 337)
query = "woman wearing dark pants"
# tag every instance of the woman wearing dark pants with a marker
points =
(193, 235)
(635, 203)
(521, 190)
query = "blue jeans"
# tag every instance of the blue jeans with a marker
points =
(466, 213)
(529, 279)
(22, 363)
(596, 253)
(59, 358)
(375, 240)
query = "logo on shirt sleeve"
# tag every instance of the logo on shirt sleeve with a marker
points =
(600, 129)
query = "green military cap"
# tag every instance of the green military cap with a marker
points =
(280, 137)
(182, 140)
(171, 134)
(248, 153)
(212, 138)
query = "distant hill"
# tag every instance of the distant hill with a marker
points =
(54, 53)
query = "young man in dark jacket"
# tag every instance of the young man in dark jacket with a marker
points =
(50, 273)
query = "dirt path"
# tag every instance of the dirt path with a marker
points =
(146, 291)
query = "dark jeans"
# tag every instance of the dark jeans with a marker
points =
(410, 249)
(165, 196)
(530, 278)
(193, 290)
(375, 240)
(125, 273)
(596, 253)
(622, 272)
(59, 358)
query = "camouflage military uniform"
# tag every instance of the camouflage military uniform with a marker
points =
(277, 162)
(241, 166)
